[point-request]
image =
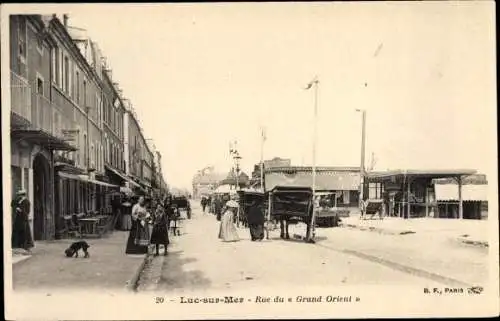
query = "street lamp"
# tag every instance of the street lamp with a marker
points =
(236, 157)
(363, 140)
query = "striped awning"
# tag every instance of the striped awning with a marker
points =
(449, 192)
(325, 180)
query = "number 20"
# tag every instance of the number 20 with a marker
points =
(159, 299)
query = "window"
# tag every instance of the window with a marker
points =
(55, 65)
(60, 69)
(22, 33)
(66, 75)
(77, 87)
(84, 93)
(39, 85)
(85, 159)
(92, 156)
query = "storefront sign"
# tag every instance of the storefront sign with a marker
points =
(70, 135)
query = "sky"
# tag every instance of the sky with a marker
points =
(202, 75)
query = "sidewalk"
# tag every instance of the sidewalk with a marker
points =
(467, 231)
(107, 268)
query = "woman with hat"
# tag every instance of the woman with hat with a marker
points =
(227, 230)
(21, 232)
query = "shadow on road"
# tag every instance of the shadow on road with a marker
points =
(175, 274)
(298, 240)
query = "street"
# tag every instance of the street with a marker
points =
(199, 261)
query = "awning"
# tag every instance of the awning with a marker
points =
(449, 192)
(93, 181)
(42, 138)
(326, 180)
(84, 178)
(122, 176)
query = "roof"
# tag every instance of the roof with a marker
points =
(477, 179)
(449, 192)
(433, 173)
(326, 180)
(309, 169)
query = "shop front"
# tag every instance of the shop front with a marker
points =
(411, 193)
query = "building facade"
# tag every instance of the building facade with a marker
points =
(35, 119)
(68, 127)
(138, 156)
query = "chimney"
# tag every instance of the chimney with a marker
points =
(65, 20)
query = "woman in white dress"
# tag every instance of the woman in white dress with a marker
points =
(227, 230)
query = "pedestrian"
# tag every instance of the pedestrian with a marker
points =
(227, 231)
(159, 236)
(21, 231)
(218, 208)
(209, 204)
(256, 219)
(138, 239)
(203, 203)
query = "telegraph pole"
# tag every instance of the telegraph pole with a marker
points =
(315, 83)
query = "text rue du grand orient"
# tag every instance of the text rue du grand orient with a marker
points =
(262, 299)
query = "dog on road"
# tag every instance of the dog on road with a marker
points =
(76, 247)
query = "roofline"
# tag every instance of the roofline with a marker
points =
(417, 172)
(309, 169)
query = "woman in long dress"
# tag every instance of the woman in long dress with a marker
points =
(227, 230)
(160, 230)
(138, 239)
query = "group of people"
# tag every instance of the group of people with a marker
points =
(150, 228)
(215, 204)
(255, 219)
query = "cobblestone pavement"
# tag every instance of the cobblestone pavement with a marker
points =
(107, 268)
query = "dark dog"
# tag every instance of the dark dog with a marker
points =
(77, 246)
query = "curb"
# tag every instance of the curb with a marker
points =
(24, 259)
(132, 283)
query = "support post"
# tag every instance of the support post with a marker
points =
(408, 198)
(460, 200)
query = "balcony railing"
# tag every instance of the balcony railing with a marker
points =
(47, 117)
(20, 96)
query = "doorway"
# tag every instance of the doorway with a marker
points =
(40, 195)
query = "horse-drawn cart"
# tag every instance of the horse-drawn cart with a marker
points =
(182, 204)
(246, 198)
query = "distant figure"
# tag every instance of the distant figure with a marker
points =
(227, 230)
(21, 231)
(203, 203)
(256, 219)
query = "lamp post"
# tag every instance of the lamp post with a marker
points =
(236, 158)
(362, 166)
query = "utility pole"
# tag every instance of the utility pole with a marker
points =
(315, 83)
(263, 139)
(362, 166)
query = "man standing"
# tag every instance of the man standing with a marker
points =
(21, 232)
